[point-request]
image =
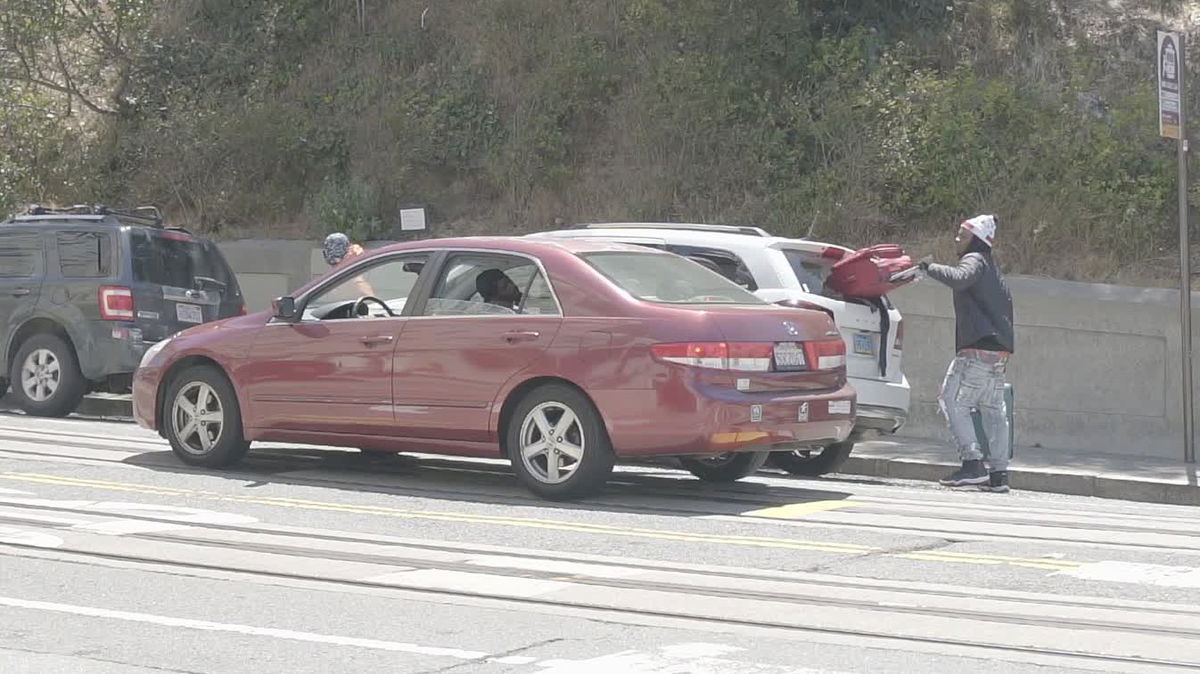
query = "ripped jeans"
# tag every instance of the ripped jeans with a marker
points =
(975, 380)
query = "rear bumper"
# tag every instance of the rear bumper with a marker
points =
(112, 349)
(882, 405)
(661, 423)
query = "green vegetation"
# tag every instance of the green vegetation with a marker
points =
(860, 121)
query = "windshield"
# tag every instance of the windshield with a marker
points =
(668, 278)
(177, 260)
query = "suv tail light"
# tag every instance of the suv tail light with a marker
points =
(746, 356)
(827, 354)
(899, 336)
(116, 303)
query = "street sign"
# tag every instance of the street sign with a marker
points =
(1170, 71)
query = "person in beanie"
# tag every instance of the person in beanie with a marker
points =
(983, 342)
(338, 249)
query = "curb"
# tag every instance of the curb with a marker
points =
(101, 405)
(1108, 486)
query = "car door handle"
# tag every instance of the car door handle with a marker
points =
(519, 336)
(373, 341)
(21, 292)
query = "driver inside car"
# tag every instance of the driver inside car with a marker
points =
(496, 288)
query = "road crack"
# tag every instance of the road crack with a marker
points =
(882, 552)
(512, 652)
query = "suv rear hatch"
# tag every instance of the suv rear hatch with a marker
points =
(179, 281)
(874, 341)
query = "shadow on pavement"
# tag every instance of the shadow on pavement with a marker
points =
(638, 488)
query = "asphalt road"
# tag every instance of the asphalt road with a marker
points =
(114, 557)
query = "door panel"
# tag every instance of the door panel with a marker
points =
(22, 263)
(487, 318)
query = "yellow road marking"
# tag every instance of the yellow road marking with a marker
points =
(797, 510)
(558, 525)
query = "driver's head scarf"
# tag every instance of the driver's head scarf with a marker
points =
(335, 248)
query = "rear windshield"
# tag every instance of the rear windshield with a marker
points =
(177, 260)
(811, 271)
(668, 278)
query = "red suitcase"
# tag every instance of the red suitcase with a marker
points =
(871, 272)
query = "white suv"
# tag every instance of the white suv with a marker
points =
(793, 271)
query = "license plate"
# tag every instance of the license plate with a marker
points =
(789, 356)
(189, 313)
(864, 343)
(839, 407)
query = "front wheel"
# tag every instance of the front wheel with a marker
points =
(729, 467)
(203, 419)
(813, 462)
(558, 445)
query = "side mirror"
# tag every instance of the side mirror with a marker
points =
(284, 308)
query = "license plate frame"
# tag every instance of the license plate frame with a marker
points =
(189, 313)
(864, 343)
(789, 357)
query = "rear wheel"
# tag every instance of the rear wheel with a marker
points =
(557, 443)
(203, 420)
(813, 462)
(46, 380)
(729, 467)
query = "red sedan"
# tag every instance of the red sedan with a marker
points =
(562, 355)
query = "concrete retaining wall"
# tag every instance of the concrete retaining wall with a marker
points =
(1096, 366)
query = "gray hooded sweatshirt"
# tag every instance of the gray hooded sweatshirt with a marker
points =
(982, 304)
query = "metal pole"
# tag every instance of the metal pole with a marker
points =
(1185, 270)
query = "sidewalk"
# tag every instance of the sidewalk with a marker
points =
(1033, 468)
(1038, 469)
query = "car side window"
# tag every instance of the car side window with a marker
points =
(391, 281)
(84, 254)
(20, 254)
(474, 284)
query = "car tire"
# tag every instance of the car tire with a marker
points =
(198, 399)
(45, 376)
(572, 461)
(729, 467)
(828, 459)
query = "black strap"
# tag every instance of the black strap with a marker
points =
(885, 325)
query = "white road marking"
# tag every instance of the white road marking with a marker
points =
(33, 539)
(180, 517)
(1138, 574)
(208, 626)
(16, 492)
(561, 567)
(697, 658)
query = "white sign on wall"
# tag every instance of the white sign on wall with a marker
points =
(412, 220)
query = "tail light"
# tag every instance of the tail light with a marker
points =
(827, 354)
(116, 303)
(899, 336)
(745, 356)
(802, 304)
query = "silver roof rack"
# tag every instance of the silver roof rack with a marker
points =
(727, 229)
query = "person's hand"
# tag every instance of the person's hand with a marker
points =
(354, 251)
(924, 265)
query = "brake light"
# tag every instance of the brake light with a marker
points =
(827, 354)
(899, 336)
(743, 356)
(802, 304)
(116, 303)
(831, 253)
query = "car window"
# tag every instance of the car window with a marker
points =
(474, 284)
(723, 262)
(668, 278)
(811, 270)
(177, 259)
(84, 254)
(20, 254)
(390, 280)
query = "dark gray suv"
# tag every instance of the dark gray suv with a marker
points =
(85, 291)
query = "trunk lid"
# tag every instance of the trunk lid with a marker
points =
(179, 281)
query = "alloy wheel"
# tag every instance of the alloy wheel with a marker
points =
(198, 418)
(552, 442)
(41, 374)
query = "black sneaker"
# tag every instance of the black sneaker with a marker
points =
(997, 482)
(972, 473)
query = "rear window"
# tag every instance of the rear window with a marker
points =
(84, 254)
(811, 271)
(20, 253)
(177, 260)
(668, 278)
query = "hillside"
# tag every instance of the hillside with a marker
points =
(857, 121)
